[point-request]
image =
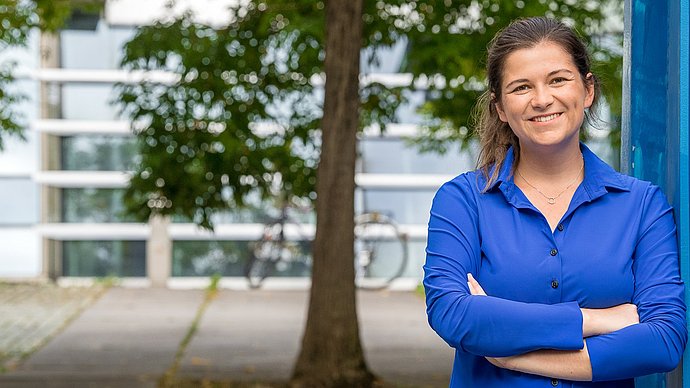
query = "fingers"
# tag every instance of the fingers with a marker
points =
(632, 313)
(475, 287)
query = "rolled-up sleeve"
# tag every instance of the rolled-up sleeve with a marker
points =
(656, 344)
(483, 325)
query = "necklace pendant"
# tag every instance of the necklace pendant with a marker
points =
(551, 200)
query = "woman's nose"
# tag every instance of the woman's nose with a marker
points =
(542, 97)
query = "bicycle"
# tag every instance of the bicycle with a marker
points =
(276, 251)
(376, 235)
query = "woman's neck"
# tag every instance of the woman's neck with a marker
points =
(550, 167)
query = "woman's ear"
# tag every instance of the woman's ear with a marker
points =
(589, 90)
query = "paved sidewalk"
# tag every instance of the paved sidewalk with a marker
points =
(31, 313)
(129, 338)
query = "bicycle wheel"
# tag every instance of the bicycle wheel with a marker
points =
(381, 251)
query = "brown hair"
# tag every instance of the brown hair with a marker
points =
(495, 136)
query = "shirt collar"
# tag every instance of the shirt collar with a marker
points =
(599, 176)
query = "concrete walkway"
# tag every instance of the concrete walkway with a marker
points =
(130, 337)
(31, 313)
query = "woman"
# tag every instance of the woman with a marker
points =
(545, 267)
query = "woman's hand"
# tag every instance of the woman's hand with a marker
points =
(500, 362)
(475, 288)
(608, 320)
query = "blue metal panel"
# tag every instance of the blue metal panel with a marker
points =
(677, 178)
(656, 121)
(648, 82)
(682, 199)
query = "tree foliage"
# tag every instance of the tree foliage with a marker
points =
(242, 116)
(243, 113)
(16, 23)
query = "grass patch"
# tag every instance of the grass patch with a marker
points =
(108, 281)
(419, 291)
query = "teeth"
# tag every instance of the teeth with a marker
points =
(542, 119)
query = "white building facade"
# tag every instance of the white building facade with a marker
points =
(61, 190)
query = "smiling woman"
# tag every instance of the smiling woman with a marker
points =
(545, 264)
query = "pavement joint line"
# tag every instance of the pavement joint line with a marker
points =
(170, 375)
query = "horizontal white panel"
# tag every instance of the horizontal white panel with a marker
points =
(89, 231)
(275, 283)
(62, 75)
(123, 128)
(97, 76)
(246, 232)
(401, 181)
(227, 282)
(117, 179)
(82, 127)
(126, 282)
(79, 179)
(180, 232)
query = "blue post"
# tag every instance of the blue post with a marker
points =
(681, 195)
(656, 110)
(682, 200)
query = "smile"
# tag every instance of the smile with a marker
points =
(543, 119)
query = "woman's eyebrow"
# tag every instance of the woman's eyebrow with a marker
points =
(521, 80)
(558, 71)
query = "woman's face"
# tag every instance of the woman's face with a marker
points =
(543, 97)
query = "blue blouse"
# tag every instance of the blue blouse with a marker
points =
(615, 244)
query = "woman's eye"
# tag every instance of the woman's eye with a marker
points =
(520, 88)
(558, 80)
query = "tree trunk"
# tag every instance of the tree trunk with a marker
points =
(331, 354)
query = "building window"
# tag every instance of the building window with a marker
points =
(98, 153)
(82, 101)
(104, 258)
(88, 205)
(229, 258)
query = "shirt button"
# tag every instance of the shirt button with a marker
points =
(560, 227)
(554, 252)
(554, 284)
(554, 382)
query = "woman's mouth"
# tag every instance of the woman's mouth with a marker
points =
(543, 119)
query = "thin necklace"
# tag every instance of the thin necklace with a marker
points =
(552, 200)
